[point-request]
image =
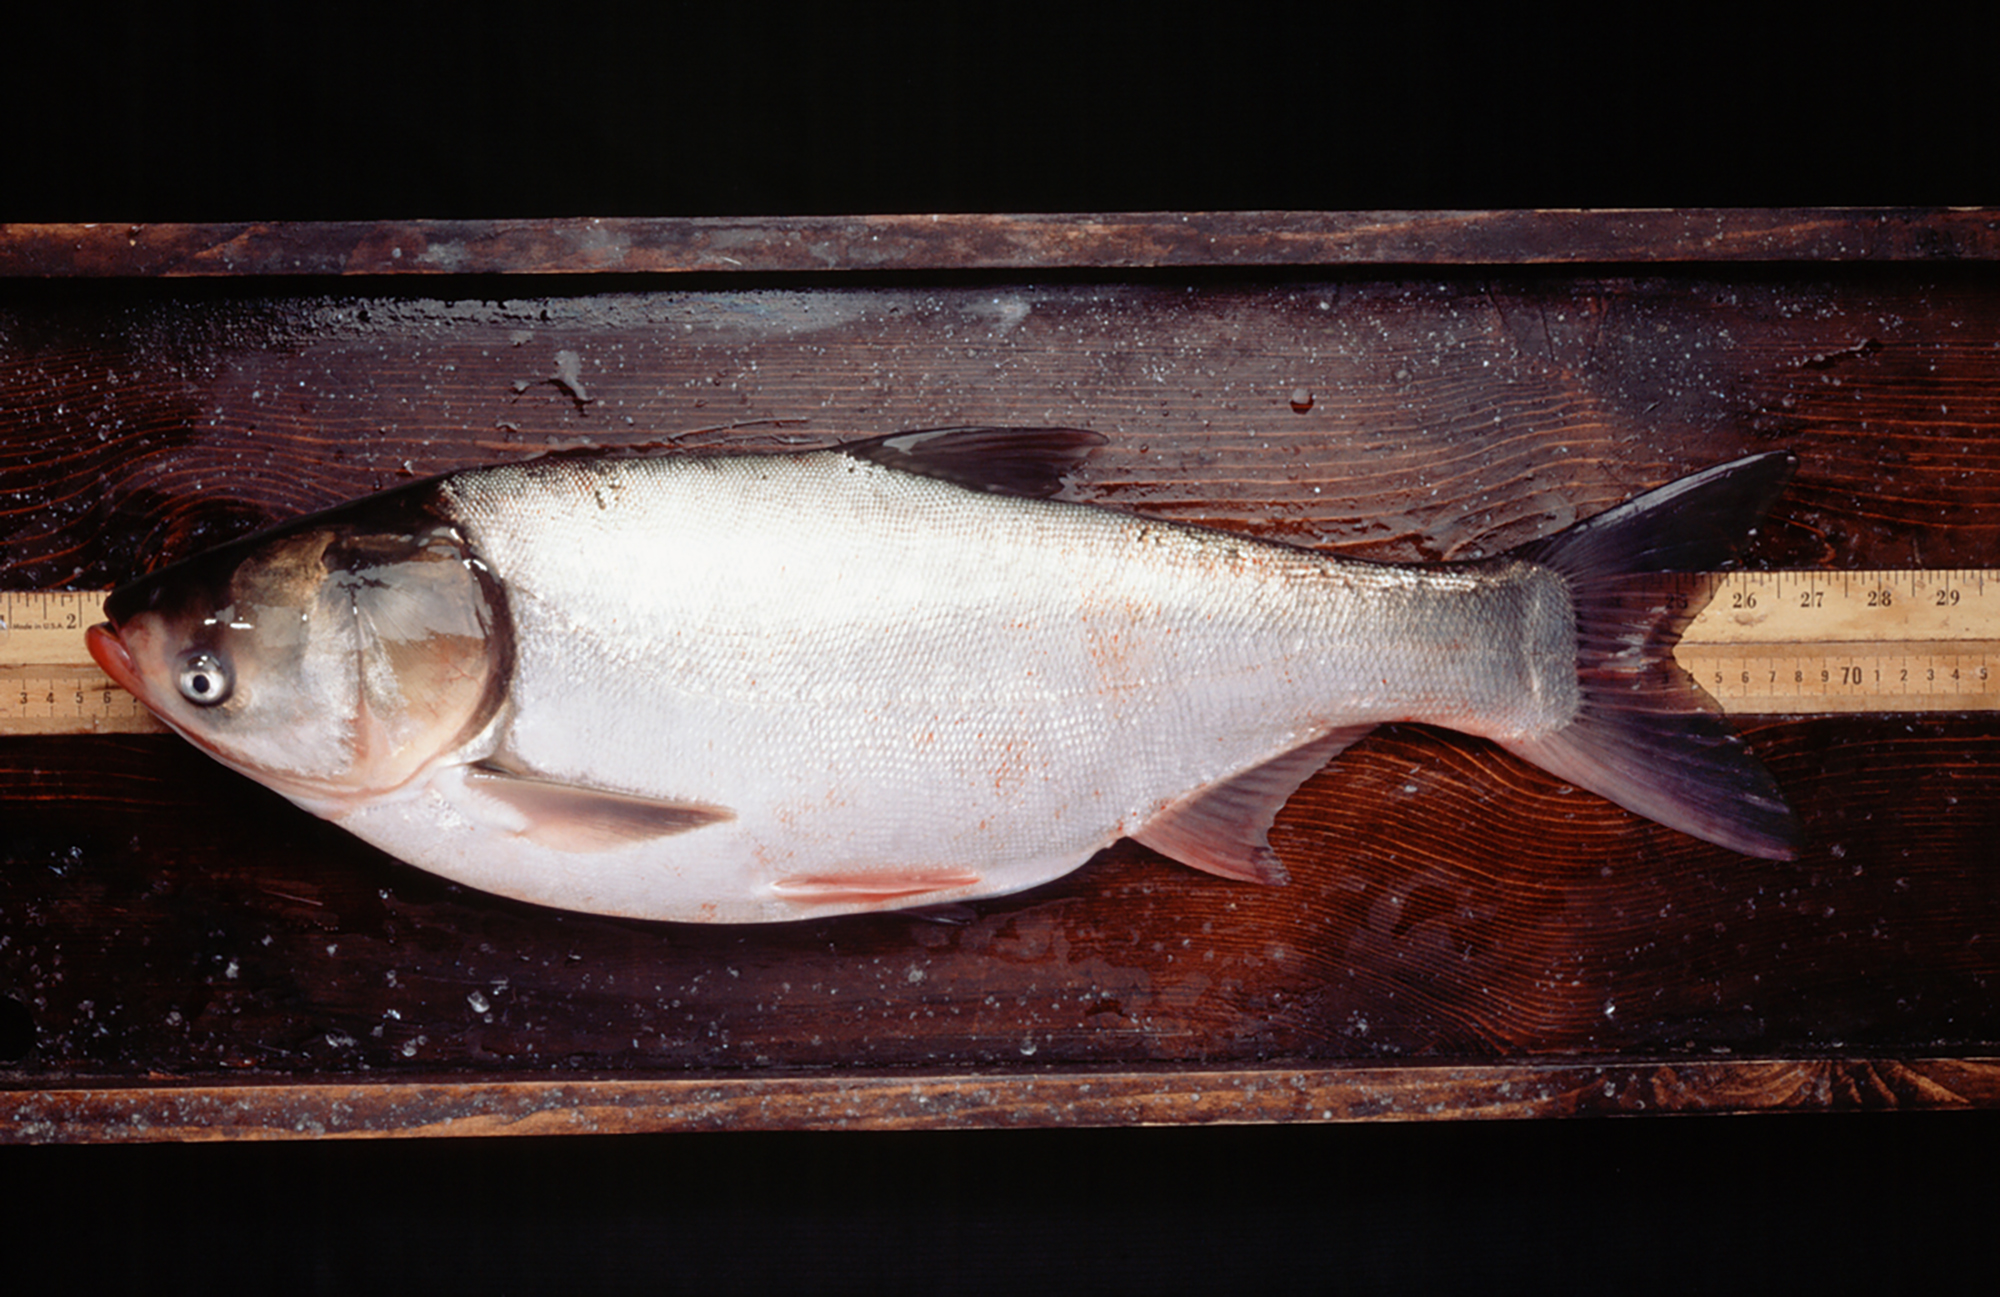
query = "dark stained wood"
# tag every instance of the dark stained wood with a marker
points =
(1109, 241)
(1020, 1099)
(186, 954)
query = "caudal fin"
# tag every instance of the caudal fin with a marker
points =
(1646, 736)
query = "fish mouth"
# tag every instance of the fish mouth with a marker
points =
(114, 659)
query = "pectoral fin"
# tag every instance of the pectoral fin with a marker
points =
(571, 818)
(1220, 829)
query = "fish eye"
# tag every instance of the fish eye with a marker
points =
(204, 678)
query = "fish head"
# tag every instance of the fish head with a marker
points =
(328, 660)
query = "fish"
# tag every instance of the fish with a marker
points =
(904, 671)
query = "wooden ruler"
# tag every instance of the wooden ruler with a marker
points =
(48, 684)
(1783, 643)
(1818, 642)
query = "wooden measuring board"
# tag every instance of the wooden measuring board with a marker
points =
(1776, 643)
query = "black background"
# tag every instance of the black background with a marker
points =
(135, 113)
(122, 112)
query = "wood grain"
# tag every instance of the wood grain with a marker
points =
(1019, 1100)
(164, 924)
(955, 243)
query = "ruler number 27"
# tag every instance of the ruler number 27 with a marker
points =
(1877, 598)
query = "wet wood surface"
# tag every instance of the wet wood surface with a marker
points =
(1014, 1099)
(1042, 243)
(1457, 922)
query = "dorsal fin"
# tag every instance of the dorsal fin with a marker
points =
(1031, 462)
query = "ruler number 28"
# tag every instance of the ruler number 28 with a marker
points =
(1945, 598)
(1877, 598)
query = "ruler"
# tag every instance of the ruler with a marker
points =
(48, 684)
(1911, 640)
(1773, 643)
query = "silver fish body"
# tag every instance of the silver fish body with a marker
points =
(745, 688)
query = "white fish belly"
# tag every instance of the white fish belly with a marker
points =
(880, 674)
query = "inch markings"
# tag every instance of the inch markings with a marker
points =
(48, 684)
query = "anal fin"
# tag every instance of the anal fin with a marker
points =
(864, 886)
(1220, 829)
(572, 818)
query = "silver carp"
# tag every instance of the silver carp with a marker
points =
(751, 687)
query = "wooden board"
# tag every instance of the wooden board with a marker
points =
(165, 925)
(1112, 241)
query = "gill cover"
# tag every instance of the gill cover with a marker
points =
(333, 658)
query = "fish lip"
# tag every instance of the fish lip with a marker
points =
(114, 659)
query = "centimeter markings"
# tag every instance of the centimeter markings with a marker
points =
(1765, 642)
(1821, 642)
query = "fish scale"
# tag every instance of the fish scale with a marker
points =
(910, 605)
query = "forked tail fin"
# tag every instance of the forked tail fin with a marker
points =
(1645, 736)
